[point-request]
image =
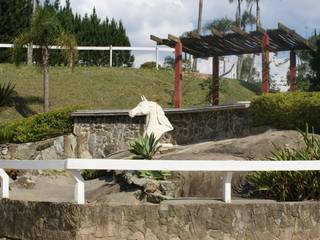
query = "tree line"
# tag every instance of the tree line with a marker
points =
(89, 30)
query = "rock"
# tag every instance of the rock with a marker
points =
(49, 154)
(151, 186)
(136, 236)
(85, 155)
(70, 145)
(25, 151)
(25, 182)
(156, 197)
(59, 145)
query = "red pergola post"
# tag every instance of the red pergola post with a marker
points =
(293, 71)
(178, 75)
(215, 81)
(265, 63)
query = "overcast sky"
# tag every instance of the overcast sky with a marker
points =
(160, 17)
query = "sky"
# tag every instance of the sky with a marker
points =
(160, 17)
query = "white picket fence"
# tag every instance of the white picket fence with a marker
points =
(111, 48)
(74, 166)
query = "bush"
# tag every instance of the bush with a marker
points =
(287, 110)
(6, 94)
(290, 186)
(149, 65)
(38, 127)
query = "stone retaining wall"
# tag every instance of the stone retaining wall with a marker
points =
(100, 133)
(170, 220)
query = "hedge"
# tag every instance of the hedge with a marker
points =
(287, 110)
(38, 127)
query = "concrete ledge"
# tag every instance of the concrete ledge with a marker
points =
(124, 112)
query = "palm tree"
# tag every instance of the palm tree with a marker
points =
(258, 14)
(30, 49)
(194, 67)
(45, 30)
(238, 14)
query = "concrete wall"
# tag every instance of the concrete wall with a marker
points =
(100, 133)
(171, 220)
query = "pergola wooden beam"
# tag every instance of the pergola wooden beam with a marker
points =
(216, 32)
(265, 45)
(156, 39)
(215, 81)
(174, 38)
(239, 31)
(178, 75)
(293, 72)
(292, 32)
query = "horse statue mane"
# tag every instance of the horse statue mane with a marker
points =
(156, 120)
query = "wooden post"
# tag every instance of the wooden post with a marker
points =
(178, 75)
(265, 64)
(293, 72)
(215, 81)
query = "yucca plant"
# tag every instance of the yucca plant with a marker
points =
(6, 93)
(290, 186)
(145, 148)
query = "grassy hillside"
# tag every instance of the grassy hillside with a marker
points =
(106, 88)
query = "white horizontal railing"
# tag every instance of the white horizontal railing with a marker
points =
(74, 166)
(155, 49)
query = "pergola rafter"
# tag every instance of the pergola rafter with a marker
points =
(237, 42)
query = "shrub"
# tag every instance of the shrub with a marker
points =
(148, 65)
(145, 148)
(290, 186)
(38, 127)
(6, 93)
(287, 110)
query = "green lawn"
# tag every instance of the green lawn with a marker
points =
(107, 88)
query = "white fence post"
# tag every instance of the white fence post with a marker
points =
(79, 189)
(227, 190)
(157, 57)
(4, 184)
(110, 60)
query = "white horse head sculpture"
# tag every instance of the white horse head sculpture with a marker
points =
(156, 121)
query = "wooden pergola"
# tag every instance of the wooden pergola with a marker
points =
(236, 43)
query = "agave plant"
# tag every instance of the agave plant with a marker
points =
(145, 148)
(6, 93)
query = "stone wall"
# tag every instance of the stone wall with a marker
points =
(51, 149)
(170, 220)
(100, 133)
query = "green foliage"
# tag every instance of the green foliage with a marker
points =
(38, 127)
(149, 65)
(157, 175)
(15, 16)
(222, 24)
(6, 94)
(145, 147)
(93, 174)
(287, 110)
(290, 186)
